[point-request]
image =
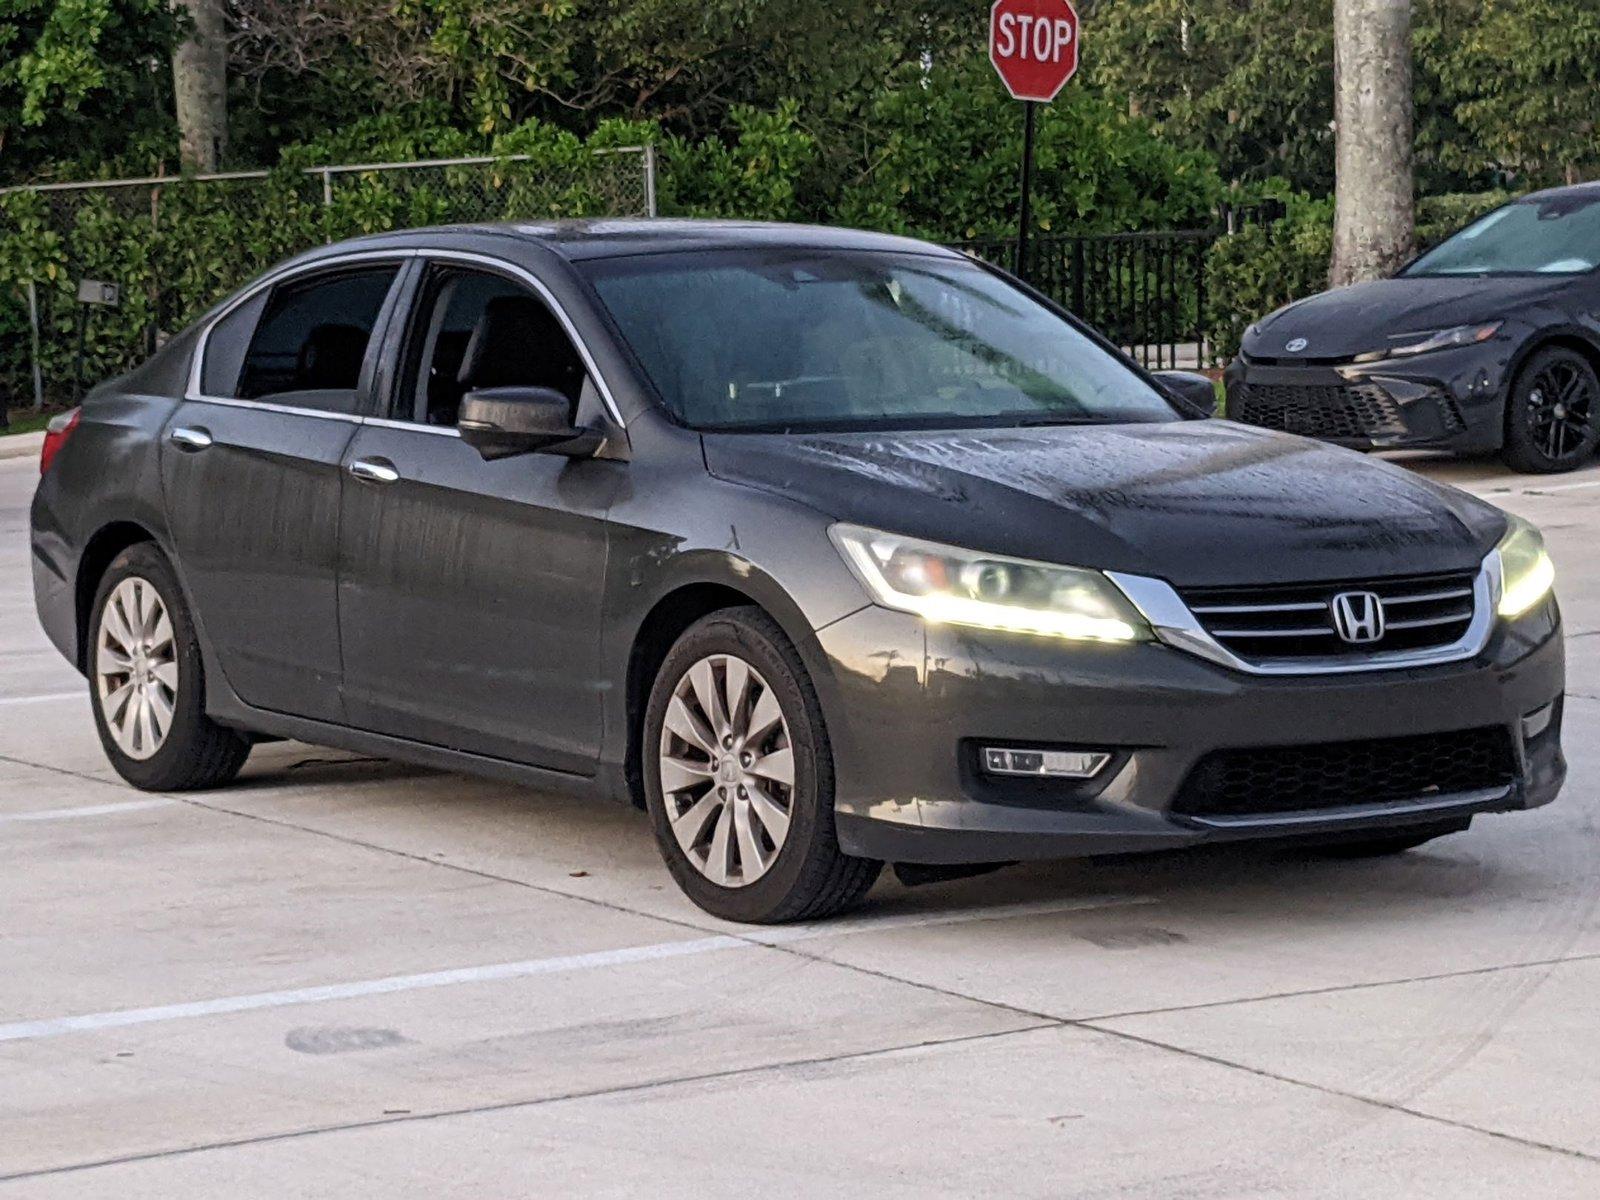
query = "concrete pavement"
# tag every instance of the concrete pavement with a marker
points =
(355, 978)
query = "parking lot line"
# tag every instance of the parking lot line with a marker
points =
(51, 1027)
(45, 699)
(88, 810)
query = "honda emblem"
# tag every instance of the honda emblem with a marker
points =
(1358, 617)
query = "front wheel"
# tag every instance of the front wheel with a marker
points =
(147, 685)
(1550, 417)
(739, 777)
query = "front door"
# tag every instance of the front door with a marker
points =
(470, 590)
(250, 472)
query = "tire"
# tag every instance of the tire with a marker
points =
(1387, 847)
(802, 875)
(1551, 413)
(131, 654)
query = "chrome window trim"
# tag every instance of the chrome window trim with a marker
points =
(1159, 603)
(193, 391)
(291, 410)
(411, 426)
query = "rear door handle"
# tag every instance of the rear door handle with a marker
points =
(374, 470)
(190, 439)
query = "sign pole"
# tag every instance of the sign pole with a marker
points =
(1028, 110)
(1033, 47)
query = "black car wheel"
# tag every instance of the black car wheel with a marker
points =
(1550, 420)
(739, 777)
(147, 685)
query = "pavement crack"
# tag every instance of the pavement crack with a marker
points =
(1334, 989)
(531, 1102)
(1339, 1093)
(23, 762)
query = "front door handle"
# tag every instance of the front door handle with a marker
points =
(190, 439)
(374, 470)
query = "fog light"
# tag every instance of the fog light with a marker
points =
(1536, 722)
(1058, 764)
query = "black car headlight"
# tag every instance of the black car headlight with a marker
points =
(952, 586)
(1526, 572)
(1433, 339)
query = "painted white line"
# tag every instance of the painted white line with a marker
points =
(88, 810)
(94, 1022)
(50, 698)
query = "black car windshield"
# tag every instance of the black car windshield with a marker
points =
(1552, 235)
(785, 339)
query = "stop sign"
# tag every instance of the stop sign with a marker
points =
(1034, 46)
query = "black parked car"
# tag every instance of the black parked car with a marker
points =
(1489, 342)
(829, 548)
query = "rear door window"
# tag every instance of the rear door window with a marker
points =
(312, 340)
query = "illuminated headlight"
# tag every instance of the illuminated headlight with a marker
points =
(1527, 573)
(951, 586)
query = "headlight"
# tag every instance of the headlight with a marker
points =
(1526, 571)
(1443, 339)
(948, 585)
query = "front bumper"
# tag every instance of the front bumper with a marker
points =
(908, 704)
(1451, 399)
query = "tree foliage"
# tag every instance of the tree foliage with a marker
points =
(79, 76)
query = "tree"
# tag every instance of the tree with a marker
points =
(1373, 224)
(1249, 80)
(78, 82)
(1525, 76)
(200, 85)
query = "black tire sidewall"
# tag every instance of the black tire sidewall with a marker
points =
(1521, 454)
(170, 766)
(811, 843)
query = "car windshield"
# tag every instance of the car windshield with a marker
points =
(1552, 235)
(784, 339)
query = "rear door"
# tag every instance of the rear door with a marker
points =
(470, 590)
(250, 468)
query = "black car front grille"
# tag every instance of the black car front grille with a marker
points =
(1297, 621)
(1356, 411)
(1286, 779)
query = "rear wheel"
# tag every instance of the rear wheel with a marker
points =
(1550, 419)
(147, 685)
(739, 777)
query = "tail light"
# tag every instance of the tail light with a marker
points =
(55, 437)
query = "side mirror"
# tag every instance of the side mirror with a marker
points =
(1194, 393)
(501, 421)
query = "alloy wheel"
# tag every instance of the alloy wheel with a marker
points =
(727, 770)
(1560, 406)
(136, 668)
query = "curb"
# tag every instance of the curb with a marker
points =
(21, 445)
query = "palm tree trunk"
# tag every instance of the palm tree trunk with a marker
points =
(200, 85)
(1373, 230)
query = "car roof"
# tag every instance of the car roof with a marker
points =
(1588, 191)
(614, 237)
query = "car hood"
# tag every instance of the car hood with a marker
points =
(1356, 319)
(1200, 503)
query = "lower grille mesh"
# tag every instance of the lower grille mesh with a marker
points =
(1318, 410)
(1284, 779)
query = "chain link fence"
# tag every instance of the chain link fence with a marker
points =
(94, 276)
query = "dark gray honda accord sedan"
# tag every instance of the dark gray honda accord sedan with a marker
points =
(828, 548)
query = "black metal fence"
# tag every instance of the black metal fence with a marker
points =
(1144, 291)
